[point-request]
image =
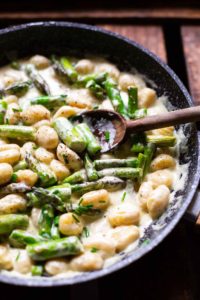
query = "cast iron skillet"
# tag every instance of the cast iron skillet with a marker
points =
(80, 40)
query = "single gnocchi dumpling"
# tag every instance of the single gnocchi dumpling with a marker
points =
(123, 236)
(104, 246)
(69, 224)
(146, 97)
(162, 161)
(161, 177)
(86, 262)
(109, 68)
(84, 66)
(144, 193)
(56, 266)
(158, 201)
(96, 199)
(124, 214)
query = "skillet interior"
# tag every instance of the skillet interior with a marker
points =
(75, 39)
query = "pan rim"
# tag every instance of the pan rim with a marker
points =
(48, 282)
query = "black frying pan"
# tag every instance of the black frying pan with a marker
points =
(79, 40)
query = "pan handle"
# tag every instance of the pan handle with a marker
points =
(193, 212)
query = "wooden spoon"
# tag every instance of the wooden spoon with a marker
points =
(110, 127)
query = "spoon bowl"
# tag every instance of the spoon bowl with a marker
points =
(110, 127)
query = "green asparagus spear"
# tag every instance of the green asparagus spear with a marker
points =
(115, 97)
(19, 187)
(39, 197)
(124, 173)
(62, 191)
(93, 145)
(23, 133)
(3, 107)
(116, 163)
(64, 68)
(51, 102)
(132, 101)
(56, 248)
(37, 270)
(37, 79)
(46, 221)
(21, 238)
(12, 221)
(148, 152)
(57, 196)
(21, 165)
(69, 134)
(162, 141)
(77, 177)
(90, 170)
(55, 234)
(18, 89)
(137, 148)
(46, 176)
(109, 183)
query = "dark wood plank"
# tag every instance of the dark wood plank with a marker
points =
(150, 37)
(191, 46)
(186, 13)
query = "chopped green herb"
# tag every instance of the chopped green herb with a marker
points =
(16, 109)
(107, 136)
(86, 232)
(96, 107)
(18, 256)
(146, 242)
(123, 197)
(14, 177)
(75, 218)
(94, 250)
(7, 121)
(37, 270)
(83, 209)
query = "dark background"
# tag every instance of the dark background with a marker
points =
(172, 270)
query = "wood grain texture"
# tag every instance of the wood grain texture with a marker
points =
(150, 37)
(136, 13)
(191, 46)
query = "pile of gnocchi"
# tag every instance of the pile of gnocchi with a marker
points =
(65, 207)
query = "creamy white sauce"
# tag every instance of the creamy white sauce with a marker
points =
(101, 225)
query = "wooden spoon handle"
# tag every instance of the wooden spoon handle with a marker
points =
(181, 116)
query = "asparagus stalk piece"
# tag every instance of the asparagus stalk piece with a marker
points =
(55, 234)
(109, 183)
(57, 196)
(46, 221)
(57, 248)
(37, 79)
(115, 97)
(21, 165)
(77, 177)
(95, 85)
(69, 134)
(50, 102)
(12, 221)
(18, 89)
(93, 145)
(137, 148)
(14, 188)
(23, 133)
(39, 197)
(64, 68)
(124, 173)
(90, 170)
(115, 163)
(148, 152)
(140, 113)
(162, 141)
(3, 107)
(46, 176)
(21, 238)
(132, 101)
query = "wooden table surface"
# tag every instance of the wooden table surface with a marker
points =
(172, 270)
